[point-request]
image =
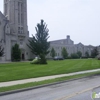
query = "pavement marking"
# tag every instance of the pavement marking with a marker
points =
(77, 93)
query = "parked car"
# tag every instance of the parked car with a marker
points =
(58, 58)
(98, 58)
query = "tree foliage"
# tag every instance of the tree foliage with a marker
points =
(74, 56)
(94, 52)
(1, 51)
(53, 53)
(79, 53)
(16, 53)
(64, 53)
(87, 54)
(39, 44)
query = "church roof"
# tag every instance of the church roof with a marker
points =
(1, 14)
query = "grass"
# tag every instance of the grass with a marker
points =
(27, 85)
(25, 70)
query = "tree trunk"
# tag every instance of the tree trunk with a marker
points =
(43, 59)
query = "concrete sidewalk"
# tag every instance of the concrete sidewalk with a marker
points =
(11, 83)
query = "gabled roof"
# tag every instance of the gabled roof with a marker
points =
(58, 40)
(79, 44)
(1, 14)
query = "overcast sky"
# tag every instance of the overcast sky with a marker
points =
(78, 18)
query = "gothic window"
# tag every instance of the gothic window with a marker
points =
(21, 18)
(18, 18)
(18, 29)
(21, 13)
(21, 42)
(22, 30)
(6, 6)
(21, 7)
(18, 6)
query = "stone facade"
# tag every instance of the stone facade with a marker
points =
(14, 29)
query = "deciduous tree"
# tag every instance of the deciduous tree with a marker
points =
(87, 54)
(79, 53)
(64, 53)
(94, 52)
(53, 53)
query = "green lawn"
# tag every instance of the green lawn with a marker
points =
(16, 71)
(33, 84)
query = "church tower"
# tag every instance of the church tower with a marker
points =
(16, 12)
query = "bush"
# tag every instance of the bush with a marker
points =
(74, 56)
(69, 57)
(30, 59)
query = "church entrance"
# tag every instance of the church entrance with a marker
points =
(22, 54)
(23, 57)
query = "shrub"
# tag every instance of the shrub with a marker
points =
(29, 59)
(74, 55)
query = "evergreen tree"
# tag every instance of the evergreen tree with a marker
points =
(16, 53)
(1, 51)
(87, 54)
(39, 44)
(94, 52)
(53, 53)
(79, 53)
(64, 53)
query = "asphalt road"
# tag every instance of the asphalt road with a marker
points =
(73, 90)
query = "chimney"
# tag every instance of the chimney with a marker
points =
(68, 36)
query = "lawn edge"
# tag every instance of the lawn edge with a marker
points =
(44, 85)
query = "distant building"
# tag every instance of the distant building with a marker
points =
(70, 47)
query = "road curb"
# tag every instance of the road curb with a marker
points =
(40, 86)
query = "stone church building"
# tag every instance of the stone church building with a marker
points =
(14, 29)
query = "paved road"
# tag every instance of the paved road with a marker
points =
(73, 90)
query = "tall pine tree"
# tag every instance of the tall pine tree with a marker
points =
(39, 44)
